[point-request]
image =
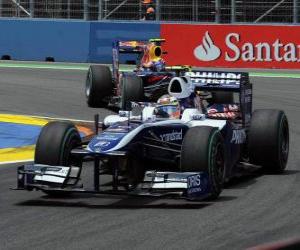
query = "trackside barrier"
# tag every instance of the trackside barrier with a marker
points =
(35, 40)
(67, 41)
(235, 46)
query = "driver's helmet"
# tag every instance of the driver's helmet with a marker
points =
(168, 107)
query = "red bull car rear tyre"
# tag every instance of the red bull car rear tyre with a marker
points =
(98, 85)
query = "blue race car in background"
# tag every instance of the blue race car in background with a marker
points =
(147, 82)
(187, 144)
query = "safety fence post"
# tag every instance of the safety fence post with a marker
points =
(31, 8)
(85, 10)
(295, 11)
(157, 11)
(233, 11)
(218, 11)
(100, 10)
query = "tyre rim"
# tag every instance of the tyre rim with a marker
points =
(284, 145)
(219, 162)
(88, 83)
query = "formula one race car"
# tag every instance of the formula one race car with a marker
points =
(186, 144)
(147, 82)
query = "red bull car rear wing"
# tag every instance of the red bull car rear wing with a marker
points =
(135, 47)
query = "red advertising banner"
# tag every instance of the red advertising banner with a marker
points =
(234, 46)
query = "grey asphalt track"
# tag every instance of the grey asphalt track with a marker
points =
(251, 210)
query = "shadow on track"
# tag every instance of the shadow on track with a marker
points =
(128, 203)
(250, 178)
(290, 172)
(119, 202)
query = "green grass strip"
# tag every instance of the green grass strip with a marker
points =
(82, 66)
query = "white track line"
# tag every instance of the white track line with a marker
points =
(59, 118)
(11, 162)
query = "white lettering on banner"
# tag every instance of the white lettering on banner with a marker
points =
(233, 47)
(249, 52)
(174, 136)
(290, 55)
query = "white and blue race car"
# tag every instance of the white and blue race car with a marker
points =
(188, 144)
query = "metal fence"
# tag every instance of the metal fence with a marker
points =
(219, 11)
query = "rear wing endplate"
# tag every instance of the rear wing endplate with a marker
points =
(237, 82)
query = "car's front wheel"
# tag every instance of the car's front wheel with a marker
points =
(203, 150)
(54, 146)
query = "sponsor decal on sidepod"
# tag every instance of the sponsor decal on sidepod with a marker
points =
(174, 136)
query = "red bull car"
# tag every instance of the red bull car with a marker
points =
(147, 82)
(187, 144)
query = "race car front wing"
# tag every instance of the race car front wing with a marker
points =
(62, 179)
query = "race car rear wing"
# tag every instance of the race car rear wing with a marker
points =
(237, 82)
(135, 47)
(124, 47)
(129, 47)
(218, 80)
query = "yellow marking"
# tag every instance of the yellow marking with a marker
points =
(26, 153)
(17, 154)
(21, 119)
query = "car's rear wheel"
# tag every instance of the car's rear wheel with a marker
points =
(98, 85)
(54, 146)
(269, 140)
(132, 91)
(203, 150)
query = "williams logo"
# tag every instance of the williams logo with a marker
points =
(207, 51)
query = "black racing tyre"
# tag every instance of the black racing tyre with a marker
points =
(222, 97)
(203, 150)
(54, 145)
(98, 85)
(132, 91)
(268, 140)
